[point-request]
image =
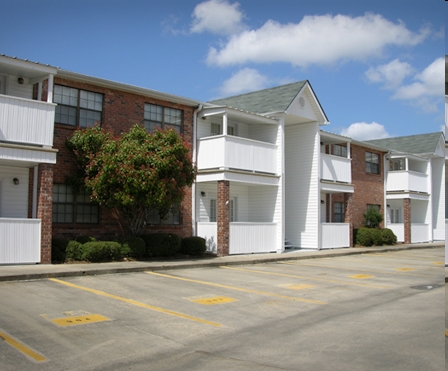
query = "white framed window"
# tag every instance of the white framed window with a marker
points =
(213, 210)
(232, 210)
(216, 129)
(395, 215)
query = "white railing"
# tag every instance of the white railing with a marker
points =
(209, 231)
(419, 232)
(335, 235)
(230, 152)
(26, 121)
(403, 180)
(398, 229)
(446, 241)
(19, 241)
(335, 168)
(248, 238)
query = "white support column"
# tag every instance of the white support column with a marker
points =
(348, 150)
(50, 89)
(224, 124)
(39, 90)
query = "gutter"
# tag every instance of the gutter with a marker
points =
(193, 187)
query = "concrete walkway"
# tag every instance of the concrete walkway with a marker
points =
(40, 271)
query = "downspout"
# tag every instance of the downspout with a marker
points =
(195, 160)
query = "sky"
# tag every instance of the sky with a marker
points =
(376, 67)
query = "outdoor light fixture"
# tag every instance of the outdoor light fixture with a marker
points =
(322, 201)
(20, 80)
(203, 194)
(16, 181)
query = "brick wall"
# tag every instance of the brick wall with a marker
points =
(121, 110)
(223, 218)
(44, 209)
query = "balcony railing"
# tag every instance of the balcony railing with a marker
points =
(19, 240)
(419, 232)
(230, 152)
(404, 180)
(335, 235)
(26, 121)
(335, 168)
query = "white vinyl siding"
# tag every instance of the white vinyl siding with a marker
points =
(302, 199)
(14, 198)
(438, 198)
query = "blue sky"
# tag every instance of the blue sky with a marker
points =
(376, 67)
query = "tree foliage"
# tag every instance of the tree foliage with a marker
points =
(372, 218)
(134, 173)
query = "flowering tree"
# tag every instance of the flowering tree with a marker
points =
(134, 173)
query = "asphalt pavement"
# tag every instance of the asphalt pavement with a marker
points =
(40, 271)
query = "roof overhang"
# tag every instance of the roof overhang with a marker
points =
(233, 113)
(24, 68)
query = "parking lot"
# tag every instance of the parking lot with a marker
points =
(380, 311)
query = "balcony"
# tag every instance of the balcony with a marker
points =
(19, 240)
(335, 168)
(407, 181)
(25, 121)
(230, 152)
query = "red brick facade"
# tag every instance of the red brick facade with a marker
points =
(44, 209)
(407, 220)
(223, 217)
(121, 110)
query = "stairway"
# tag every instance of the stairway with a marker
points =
(288, 244)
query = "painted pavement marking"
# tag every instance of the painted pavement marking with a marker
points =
(309, 278)
(215, 300)
(27, 351)
(137, 303)
(79, 320)
(237, 288)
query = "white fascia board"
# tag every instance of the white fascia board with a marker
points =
(128, 88)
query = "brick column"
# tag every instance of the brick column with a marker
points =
(44, 209)
(348, 218)
(223, 218)
(407, 220)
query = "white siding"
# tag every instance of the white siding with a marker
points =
(438, 198)
(263, 202)
(264, 133)
(301, 184)
(14, 198)
(19, 90)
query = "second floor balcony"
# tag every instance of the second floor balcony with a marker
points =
(226, 152)
(335, 168)
(25, 121)
(407, 181)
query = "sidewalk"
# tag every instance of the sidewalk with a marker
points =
(41, 271)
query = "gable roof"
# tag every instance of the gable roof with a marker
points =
(415, 144)
(276, 99)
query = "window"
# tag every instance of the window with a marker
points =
(216, 129)
(372, 163)
(77, 107)
(339, 212)
(162, 117)
(373, 206)
(397, 164)
(173, 218)
(395, 215)
(68, 208)
(339, 150)
(213, 210)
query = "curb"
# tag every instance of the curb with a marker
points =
(214, 262)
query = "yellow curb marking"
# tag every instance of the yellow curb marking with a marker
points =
(405, 269)
(310, 278)
(446, 333)
(361, 276)
(237, 288)
(137, 303)
(214, 301)
(22, 348)
(79, 320)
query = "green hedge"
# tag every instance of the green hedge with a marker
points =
(374, 236)
(73, 251)
(58, 248)
(194, 246)
(101, 251)
(161, 244)
(134, 247)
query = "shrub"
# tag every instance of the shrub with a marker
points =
(193, 246)
(372, 218)
(84, 239)
(161, 244)
(364, 237)
(376, 235)
(101, 251)
(58, 247)
(389, 237)
(134, 247)
(73, 251)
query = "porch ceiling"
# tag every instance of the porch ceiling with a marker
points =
(23, 68)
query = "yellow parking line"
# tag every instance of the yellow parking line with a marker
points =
(137, 303)
(308, 278)
(446, 333)
(22, 348)
(238, 288)
(357, 269)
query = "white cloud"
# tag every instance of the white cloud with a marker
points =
(364, 131)
(247, 79)
(217, 16)
(391, 74)
(319, 39)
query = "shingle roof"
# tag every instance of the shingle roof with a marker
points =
(275, 99)
(415, 144)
